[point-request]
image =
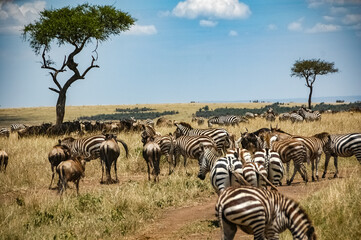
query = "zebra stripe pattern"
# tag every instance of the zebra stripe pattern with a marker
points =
(17, 126)
(220, 136)
(309, 115)
(252, 173)
(224, 120)
(273, 165)
(88, 147)
(295, 117)
(261, 212)
(342, 145)
(221, 169)
(4, 132)
(314, 145)
(189, 147)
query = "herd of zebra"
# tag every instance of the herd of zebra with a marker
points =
(240, 170)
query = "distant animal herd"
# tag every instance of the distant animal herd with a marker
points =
(240, 168)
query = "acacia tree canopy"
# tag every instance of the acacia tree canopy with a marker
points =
(76, 26)
(309, 69)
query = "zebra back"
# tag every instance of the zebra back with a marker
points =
(88, 147)
(261, 212)
(345, 145)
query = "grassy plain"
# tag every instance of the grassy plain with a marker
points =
(29, 210)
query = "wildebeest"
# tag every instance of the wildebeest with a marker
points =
(3, 160)
(71, 170)
(109, 153)
(57, 154)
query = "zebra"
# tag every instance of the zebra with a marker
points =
(284, 116)
(4, 132)
(219, 135)
(164, 142)
(342, 145)
(17, 126)
(261, 212)
(221, 169)
(314, 145)
(255, 174)
(309, 115)
(273, 165)
(188, 147)
(88, 147)
(295, 117)
(224, 120)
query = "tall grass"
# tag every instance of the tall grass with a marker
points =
(28, 209)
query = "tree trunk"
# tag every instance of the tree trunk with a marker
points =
(60, 108)
(309, 97)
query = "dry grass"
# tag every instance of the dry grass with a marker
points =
(30, 210)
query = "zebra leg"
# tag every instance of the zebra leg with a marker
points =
(288, 173)
(52, 177)
(228, 229)
(328, 156)
(295, 169)
(317, 162)
(335, 162)
(313, 169)
(115, 170)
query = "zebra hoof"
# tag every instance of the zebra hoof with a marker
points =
(288, 182)
(324, 175)
(335, 176)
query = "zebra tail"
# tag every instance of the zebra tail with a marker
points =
(239, 178)
(125, 146)
(273, 187)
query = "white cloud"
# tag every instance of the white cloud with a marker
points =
(352, 19)
(338, 10)
(296, 26)
(141, 30)
(272, 27)
(222, 9)
(14, 17)
(317, 3)
(320, 27)
(233, 33)
(328, 18)
(207, 23)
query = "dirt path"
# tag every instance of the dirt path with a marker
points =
(173, 224)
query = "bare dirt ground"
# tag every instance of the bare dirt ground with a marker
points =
(173, 224)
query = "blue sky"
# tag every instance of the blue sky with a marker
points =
(191, 50)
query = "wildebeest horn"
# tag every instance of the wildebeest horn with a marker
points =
(246, 130)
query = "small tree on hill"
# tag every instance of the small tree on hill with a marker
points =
(309, 69)
(77, 26)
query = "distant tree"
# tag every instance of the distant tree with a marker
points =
(77, 27)
(309, 69)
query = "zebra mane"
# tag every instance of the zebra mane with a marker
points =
(187, 125)
(69, 139)
(322, 135)
(279, 130)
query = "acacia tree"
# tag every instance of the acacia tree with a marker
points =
(75, 26)
(309, 69)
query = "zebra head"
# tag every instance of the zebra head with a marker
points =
(206, 159)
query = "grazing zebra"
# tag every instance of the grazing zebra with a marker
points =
(220, 136)
(309, 115)
(284, 116)
(342, 145)
(261, 212)
(295, 117)
(221, 169)
(17, 126)
(188, 147)
(224, 120)
(4, 132)
(3, 160)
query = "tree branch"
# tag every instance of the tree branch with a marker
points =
(55, 90)
(90, 67)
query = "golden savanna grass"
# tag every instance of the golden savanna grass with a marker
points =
(29, 210)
